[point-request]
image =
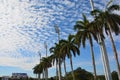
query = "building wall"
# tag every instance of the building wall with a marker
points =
(5, 78)
(19, 75)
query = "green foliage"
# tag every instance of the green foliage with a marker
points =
(81, 74)
(114, 75)
(101, 77)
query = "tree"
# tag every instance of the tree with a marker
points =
(84, 31)
(114, 75)
(56, 51)
(42, 66)
(111, 23)
(61, 56)
(104, 56)
(38, 69)
(81, 74)
(68, 47)
(46, 63)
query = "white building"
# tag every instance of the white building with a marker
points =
(19, 75)
(5, 78)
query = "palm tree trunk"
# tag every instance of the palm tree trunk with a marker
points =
(46, 70)
(43, 74)
(65, 69)
(39, 76)
(46, 74)
(93, 59)
(36, 75)
(104, 59)
(56, 70)
(72, 68)
(59, 69)
(115, 53)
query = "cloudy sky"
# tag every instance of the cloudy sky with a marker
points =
(26, 24)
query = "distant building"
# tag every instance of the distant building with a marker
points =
(19, 76)
(5, 78)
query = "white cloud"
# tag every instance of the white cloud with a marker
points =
(25, 26)
(25, 63)
(12, 15)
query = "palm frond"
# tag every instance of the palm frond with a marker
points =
(70, 37)
(84, 19)
(95, 12)
(113, 7)
(78, 25)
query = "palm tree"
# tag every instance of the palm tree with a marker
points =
(84, 31)
(42, 66)
(61, 55)
(46, 63)
(53, 59)
(104, 56)
(111, 23)
(35, 71)
(67, 47)
(38, 69)
(56, 51)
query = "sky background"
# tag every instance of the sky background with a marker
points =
(26, 24)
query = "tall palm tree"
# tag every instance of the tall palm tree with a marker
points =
(35, 71)
(68, 47)
(103, 51)
(84, 31)
(54, 58)
(111, 23)
(63, 57)
(38, 69)
(59, 55)
(46, 63)
(42, 66)
(104, 56)
(56, 51)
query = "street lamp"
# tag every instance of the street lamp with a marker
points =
(59, 68)
(39, 75)
(57, 31)
(45, 45)
(39, 53)
(46, 70)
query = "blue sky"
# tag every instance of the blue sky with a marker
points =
(26, 24)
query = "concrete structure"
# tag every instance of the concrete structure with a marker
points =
(19, 76)
(5, 78)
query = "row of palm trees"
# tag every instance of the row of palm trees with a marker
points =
(104, 22)
(109, 22)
